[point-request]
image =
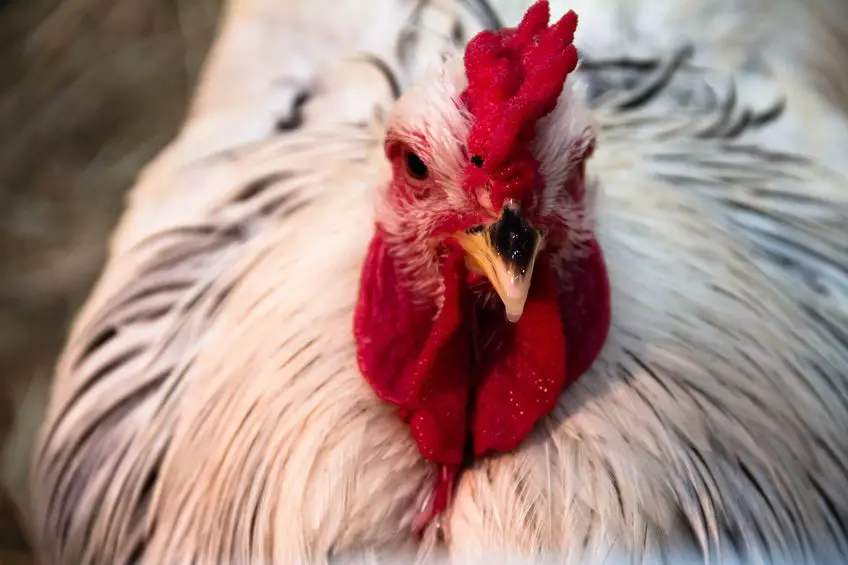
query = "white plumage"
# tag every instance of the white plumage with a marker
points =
(208, 406)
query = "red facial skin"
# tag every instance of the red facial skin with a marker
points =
(467, 381)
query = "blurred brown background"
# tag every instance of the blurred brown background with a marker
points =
(90, 90)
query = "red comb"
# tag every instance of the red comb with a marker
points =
(515, 77)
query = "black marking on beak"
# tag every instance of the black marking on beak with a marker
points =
(514, 239)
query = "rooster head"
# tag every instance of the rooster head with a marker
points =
(484, 291)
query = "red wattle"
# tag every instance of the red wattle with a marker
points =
(586, 310)
(421, 360)
(414, 357)
(522, 380)
(441, 378)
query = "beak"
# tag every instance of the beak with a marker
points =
(505, 253)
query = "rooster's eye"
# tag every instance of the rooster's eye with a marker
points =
(415, 166)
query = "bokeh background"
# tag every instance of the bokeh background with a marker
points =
(90, 90)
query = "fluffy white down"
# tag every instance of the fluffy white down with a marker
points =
(208, 408)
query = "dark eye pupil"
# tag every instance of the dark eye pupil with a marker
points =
(416, 167)
(477, 161)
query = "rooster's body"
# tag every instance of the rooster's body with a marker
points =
(209, 406)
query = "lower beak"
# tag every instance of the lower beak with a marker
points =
(505, 252)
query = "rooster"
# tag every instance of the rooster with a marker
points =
(536, 308)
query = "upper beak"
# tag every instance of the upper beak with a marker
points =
(505, 252)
